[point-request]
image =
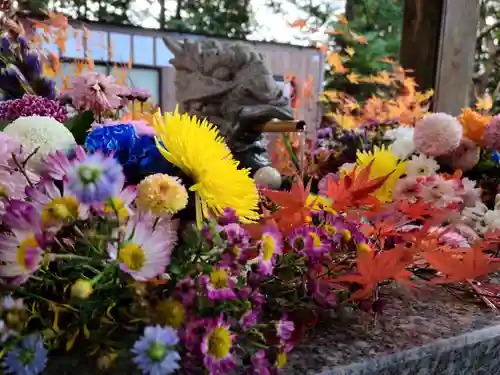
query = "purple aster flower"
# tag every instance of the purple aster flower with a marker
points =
(249, 319)
(154, 351)
(185, 290)
(219, 284)
(216, 347)
(22, 215)
(29, 357)
(285, 328)
(228, 217)
(260, 364)
(95, 178)
(57, 165)
(309, 240)
(343, 230)
(270, 246)
(31, 105)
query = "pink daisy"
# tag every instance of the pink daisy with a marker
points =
(219, 284)
(269, 248)
(216, 348)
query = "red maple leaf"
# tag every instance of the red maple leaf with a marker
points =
(373, 268)
(417, 211)
(293, 208)
(463, 264)
(355, 189)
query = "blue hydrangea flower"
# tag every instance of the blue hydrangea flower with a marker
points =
(495, 156)
(155, 352)
(94, 178)
(29, 357)
(138, 154)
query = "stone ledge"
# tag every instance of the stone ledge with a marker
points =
(423, 331)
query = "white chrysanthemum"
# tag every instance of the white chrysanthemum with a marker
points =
(421, 166)
(398, 133)
(403, 148)
(43, 134)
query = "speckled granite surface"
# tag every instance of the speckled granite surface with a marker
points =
(424, 331)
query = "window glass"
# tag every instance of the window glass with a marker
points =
(74, 44)
(142, 78)
(163, 54)
(97, 45)
(143, 50)
(48, 40)
(120, 47)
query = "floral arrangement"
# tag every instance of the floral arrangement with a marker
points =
(128, 234)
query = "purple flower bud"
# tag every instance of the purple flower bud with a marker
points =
(5, 44)
(12, 80)
(46, 88)
(32, 67)
(23, 45)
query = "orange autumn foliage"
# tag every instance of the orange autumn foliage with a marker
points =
(473, 124)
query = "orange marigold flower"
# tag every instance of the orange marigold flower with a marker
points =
(473, 124)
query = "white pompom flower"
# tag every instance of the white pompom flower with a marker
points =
(45, 135)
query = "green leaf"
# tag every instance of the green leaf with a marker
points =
(80, 125)
(3, 124)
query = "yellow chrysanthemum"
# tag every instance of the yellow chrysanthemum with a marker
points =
(384, 162)
(199, 151)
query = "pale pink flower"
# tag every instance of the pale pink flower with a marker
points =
(491, 136)
(439, 192)
(407, 189)
(95, 91)
(437, 134)
(464, 157)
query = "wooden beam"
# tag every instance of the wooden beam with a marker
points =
(456, 57)
(420, 40)
(438, 43)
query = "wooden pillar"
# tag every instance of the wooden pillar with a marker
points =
(438, 42)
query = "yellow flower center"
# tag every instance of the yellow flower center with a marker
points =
(22, 249)
(171, 313)
(330, 229)
(281, 360)
(116, 206)
(299, 243)
(316, 239)
(132, 255)
(219, 343)
(346, 234)
(218, 278)
(59, 210)
(363, 247)
(268, 247)
(3, 191)
(236, 250)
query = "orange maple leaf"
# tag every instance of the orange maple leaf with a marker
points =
(293, 205)
(373, 268)
(335, 61)
(298, 24)
(462, 264)
(355, 189)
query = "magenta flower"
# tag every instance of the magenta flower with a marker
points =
(269, 248)
(308, 240)
(31, 105)
(249, 319)
(219, 284)
(284, 328)
(228, 217)
(95, 91)
(185, 291)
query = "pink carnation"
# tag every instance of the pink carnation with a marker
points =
(437, 134)
(491, 137)
(31, 105)
(95, 91)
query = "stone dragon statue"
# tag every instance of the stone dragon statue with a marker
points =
(230, 85)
